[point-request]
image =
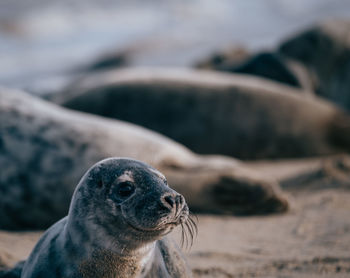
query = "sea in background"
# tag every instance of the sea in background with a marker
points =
(42, 42)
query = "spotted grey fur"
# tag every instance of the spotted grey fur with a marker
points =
(109, 234)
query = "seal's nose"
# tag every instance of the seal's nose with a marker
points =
(172, 201)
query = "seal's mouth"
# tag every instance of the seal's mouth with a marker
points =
(166, 224)
(165, 221)
(156, 231)
(185, 219)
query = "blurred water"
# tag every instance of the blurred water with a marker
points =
(42, 40)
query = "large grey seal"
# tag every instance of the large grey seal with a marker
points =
(211, 112)
(45, 149)
(120, 212)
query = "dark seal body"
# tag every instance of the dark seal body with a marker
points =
(324, 50)
(119, 216)
(216, 113)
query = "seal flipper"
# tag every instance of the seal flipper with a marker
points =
(14, 272)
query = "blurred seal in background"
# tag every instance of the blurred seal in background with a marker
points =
(215, 113)
(45, 149)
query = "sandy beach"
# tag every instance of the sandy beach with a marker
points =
(311, 240)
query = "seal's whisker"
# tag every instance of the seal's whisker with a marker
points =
(193, 222)
(183, 235)
(193, 215)
(187, 236)
(189, 228)
(193, 219)
(193, 227)
(189, 231)
(186, 233)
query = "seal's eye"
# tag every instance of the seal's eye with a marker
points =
(125, 189)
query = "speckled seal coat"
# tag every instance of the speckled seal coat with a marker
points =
(120, 212)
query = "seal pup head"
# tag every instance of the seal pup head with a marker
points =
(128, 201)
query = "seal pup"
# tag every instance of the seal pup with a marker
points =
(45, 149)
(120, 213)
(241, 116)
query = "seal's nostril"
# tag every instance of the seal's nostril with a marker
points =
(170, 200)
(180, 199)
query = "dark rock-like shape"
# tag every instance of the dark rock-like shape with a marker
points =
(325, 51)
(268, 65)
(45, 149)
(235, 115)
